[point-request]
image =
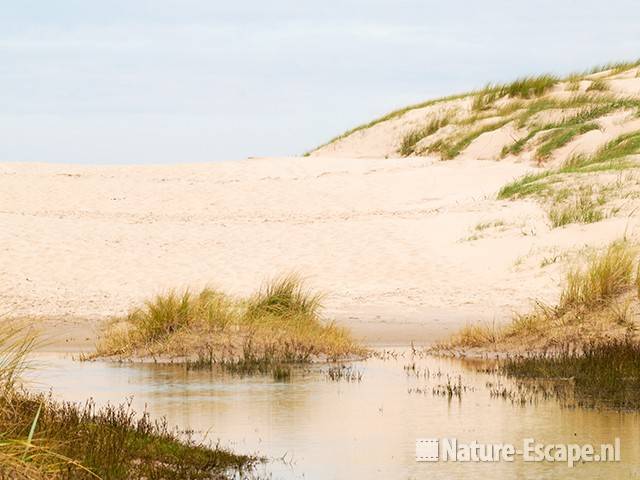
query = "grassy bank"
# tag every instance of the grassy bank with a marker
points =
(43, 439)
(589, 341)
(599, 303)
(80, 441)
(281, 323)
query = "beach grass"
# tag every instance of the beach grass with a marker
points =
(451, 147)
(560, 137)
(612, 156)
(598, 85)
(582, 209)
(281, 323)
(529, 95)
(594, 306)
(410, 140)
(606, 276)
(528, 87)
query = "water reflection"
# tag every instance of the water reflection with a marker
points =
(338, 429)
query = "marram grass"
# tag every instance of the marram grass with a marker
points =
(595, 305)
(280, 323)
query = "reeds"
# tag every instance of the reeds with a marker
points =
(603, 373)
(80, 441)
(42, 439)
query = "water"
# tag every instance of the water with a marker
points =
(315, 428)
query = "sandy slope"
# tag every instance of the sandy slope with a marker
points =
(384, 138)
(392, 241)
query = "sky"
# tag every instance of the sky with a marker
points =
(182, 81)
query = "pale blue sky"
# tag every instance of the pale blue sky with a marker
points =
(168, 81)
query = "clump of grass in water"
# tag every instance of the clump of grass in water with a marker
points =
(344, 372)
(279, 324)
(604, 373)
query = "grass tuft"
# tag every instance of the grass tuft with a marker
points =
(594, 305)
(281, 323)
(471, 336)
(528, 184)
(598, 85)
(72, 441)
(411, 139)
(560, 137)
(607, 276)
(528, 87)
(285, 296)
(582, 210)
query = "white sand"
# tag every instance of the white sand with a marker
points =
(388, 240)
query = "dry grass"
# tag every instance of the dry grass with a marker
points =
(16, 342)
(597, 303)
(471, 336)
(280, 323)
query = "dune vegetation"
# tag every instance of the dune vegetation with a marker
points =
(601, 373)
(281, 323)
(523, 103)
(44, 439)
(599, 303)
(590, 337)
(577, 130)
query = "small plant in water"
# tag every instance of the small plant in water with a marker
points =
(344, 372)
(603, 373)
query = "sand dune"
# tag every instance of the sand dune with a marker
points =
(393, 242)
